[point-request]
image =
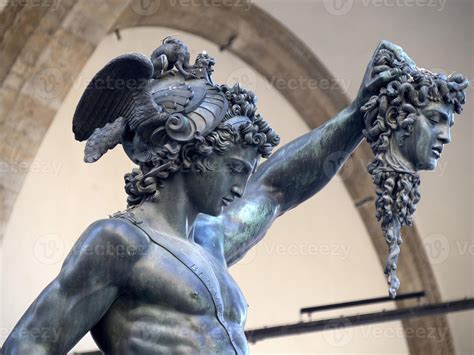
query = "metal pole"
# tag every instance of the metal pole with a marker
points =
(402, 296)
(361, 319)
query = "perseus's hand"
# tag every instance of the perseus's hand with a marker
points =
(376, 77)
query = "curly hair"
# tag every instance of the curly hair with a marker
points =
(396, 108)
(144, 183)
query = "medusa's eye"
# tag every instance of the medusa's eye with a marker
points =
(433, 117)
(436, 117)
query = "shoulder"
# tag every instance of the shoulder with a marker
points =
(117, 231)
(207, 227)
(111, 246)
(114, 234)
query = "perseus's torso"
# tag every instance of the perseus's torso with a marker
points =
(171, 305)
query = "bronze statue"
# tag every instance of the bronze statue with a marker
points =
(154, 278)
(407, 125)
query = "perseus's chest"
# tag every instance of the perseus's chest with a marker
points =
(183, 275)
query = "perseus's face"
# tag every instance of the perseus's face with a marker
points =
(210, 191)
(431, 131)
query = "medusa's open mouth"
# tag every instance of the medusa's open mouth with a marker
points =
(437, 150)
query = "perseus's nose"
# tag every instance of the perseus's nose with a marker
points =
(237, 191)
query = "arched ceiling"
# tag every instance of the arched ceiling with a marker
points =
(44, 47)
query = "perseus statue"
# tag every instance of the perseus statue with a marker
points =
(197, 202)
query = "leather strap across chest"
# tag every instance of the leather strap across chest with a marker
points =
(203, 273)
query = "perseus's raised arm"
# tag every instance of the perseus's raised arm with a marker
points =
(294, 173)
(298, 170)
(305, 165)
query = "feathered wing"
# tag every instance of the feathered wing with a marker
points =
(118, 95)
(103, 139)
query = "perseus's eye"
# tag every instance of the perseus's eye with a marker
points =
(236, 168)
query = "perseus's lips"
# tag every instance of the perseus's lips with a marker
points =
(226, 201)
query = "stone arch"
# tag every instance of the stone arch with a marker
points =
(44, 45)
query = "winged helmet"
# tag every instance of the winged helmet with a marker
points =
(136, 101)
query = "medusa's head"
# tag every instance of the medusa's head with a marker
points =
(409, 122)
(406, 124)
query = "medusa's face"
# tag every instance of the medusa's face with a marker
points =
(431, 131)
(211, 190)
